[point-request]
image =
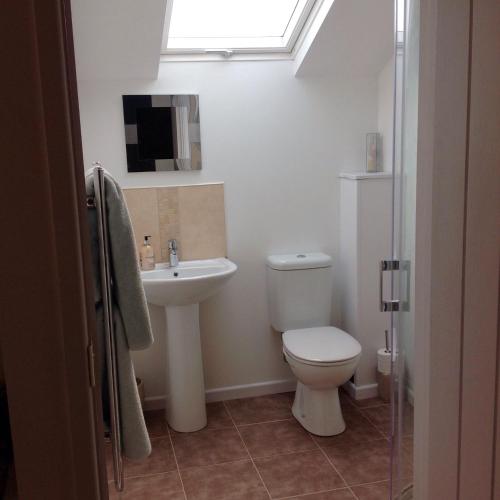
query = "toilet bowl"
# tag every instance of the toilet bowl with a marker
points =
(322, 359)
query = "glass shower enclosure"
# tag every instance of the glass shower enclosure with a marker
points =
(406, 71)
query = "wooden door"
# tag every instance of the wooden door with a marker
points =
(46, 311)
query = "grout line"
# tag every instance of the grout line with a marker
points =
(353, 402)
(245, 446)
(370, 407)
(204, 466)
(302, 495)
(376, 425)
(296, 452)
(266, 422)
(157, 438)
(370, 483)
(380, 432)
(176, 462)
(335, 469)
(346, 444)
(150, 474)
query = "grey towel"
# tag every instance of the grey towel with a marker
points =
(131, 316)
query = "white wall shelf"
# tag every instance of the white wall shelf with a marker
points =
(358, 176)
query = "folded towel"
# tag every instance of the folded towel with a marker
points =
(130, 312)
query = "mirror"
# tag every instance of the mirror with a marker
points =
(162, 132)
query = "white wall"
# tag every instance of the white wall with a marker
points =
(278, 143)
(385, 108)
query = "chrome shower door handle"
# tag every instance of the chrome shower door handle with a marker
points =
(387, 305)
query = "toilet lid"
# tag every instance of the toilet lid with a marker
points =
(325, 344)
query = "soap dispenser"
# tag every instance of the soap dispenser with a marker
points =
(147, 255)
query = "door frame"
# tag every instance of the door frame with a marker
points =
(457, 403)
(47, 313)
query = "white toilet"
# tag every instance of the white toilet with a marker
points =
(322, 357)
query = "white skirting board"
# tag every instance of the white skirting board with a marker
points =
(232, 392)
(261, 389)
(371, 391)
(361, 391)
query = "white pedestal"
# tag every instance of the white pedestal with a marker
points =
(185, 404)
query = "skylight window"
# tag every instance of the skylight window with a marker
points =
(199, 26)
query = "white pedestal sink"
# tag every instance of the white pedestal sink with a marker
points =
(180, 290)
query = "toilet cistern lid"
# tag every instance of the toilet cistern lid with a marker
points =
(294, 261)
(326, 344)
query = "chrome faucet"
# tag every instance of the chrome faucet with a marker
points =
(172, 250)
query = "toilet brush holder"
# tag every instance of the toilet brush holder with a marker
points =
(384, 374)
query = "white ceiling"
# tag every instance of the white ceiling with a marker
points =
(117, 38)
(355, 39)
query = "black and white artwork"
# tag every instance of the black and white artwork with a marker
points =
(162, 132)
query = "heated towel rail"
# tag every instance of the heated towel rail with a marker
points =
(98, 202)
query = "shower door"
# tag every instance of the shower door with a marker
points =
(406, 70)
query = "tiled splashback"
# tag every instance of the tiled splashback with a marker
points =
(193, 215)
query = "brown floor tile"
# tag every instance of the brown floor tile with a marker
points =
(231, 481)
(361, 463)
(345, 399)
(343, 494)
(379, 491)
(207, 447)
(369, 402)
(261, 409)
(358, 430)
(217, 416)
(380, 416)
(158, 487)
(156, 423)
(161, 460)
(275, 438)
(298, 473)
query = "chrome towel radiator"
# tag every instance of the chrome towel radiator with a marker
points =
(98, 202)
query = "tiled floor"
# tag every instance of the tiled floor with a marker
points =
(254, 449)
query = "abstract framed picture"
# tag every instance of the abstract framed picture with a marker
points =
(162, 132)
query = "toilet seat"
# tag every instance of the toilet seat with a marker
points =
(320, 346)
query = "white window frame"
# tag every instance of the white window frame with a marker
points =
(295, 33)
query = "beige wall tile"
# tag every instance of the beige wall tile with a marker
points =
(193, 215)
(142, 205)
(202, 221)
(168, 213)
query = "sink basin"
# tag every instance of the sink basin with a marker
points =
(190, 282)
(179, 290)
